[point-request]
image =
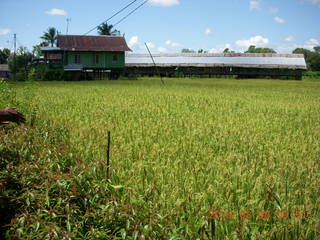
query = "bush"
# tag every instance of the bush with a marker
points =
(32, 75)
(8, 95)
(54, 75)
(41, 73)
(20, 77)
(178, 75)
(312, 74)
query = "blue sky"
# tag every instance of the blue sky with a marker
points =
(170, 25)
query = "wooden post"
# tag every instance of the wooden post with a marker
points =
(108, 155)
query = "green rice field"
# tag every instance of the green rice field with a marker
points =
(190, 159)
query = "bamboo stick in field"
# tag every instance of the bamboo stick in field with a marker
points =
(108, 155)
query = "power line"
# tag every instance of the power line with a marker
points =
(131, 12)
(121, 10)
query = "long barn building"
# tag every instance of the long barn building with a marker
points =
(242, 65)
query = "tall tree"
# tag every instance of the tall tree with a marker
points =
(50, 36)
(202, 51)
(106, 29)
(227, 50)
(21, 61)
(317, 49)
(188, 50)
(254, 49)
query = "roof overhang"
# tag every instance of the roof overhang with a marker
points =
(73, 67)
(48, 49)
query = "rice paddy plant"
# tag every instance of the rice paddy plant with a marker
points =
(191, 159)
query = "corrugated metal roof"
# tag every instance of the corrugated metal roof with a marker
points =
(291, 61)
(92, 43)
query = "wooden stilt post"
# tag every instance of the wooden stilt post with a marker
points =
(108, 155)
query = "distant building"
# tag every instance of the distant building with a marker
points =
(4, 71)
(242, 65)
(88, 56)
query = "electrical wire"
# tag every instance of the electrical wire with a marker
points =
(130, 13)
(121, 10)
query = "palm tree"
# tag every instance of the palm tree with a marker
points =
(50, 36)
(106, 29)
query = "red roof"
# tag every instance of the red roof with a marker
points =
(92, 43)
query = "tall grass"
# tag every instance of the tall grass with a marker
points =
(190, 147)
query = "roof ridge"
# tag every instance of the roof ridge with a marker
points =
(258, 55)
(74, 35)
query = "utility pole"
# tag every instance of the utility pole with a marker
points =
(154, 63)
(14, 53)
(68, 20)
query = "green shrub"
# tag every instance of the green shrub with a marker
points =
(8, 95)
(53, 75)
(32, 75)
(19, 77)
(312, 74)
(178, 75)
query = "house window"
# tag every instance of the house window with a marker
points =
(77, 59)
(115, 58)
(95, 59)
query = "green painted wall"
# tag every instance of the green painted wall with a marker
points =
(106, 59)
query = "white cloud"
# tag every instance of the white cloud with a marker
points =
(172, 44)
(279, 20)
(4, 31)
(213, 50)
(289, 39)
(162, 49)
(257, 41)
(150, 45)
(254, 5)
(285, 48)
(208, 31)
(165, 3)
(309, 44)
(137, 46)
(56, 11)
(273, 10)
(314, 2)
(312, 42)
(134, 42)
